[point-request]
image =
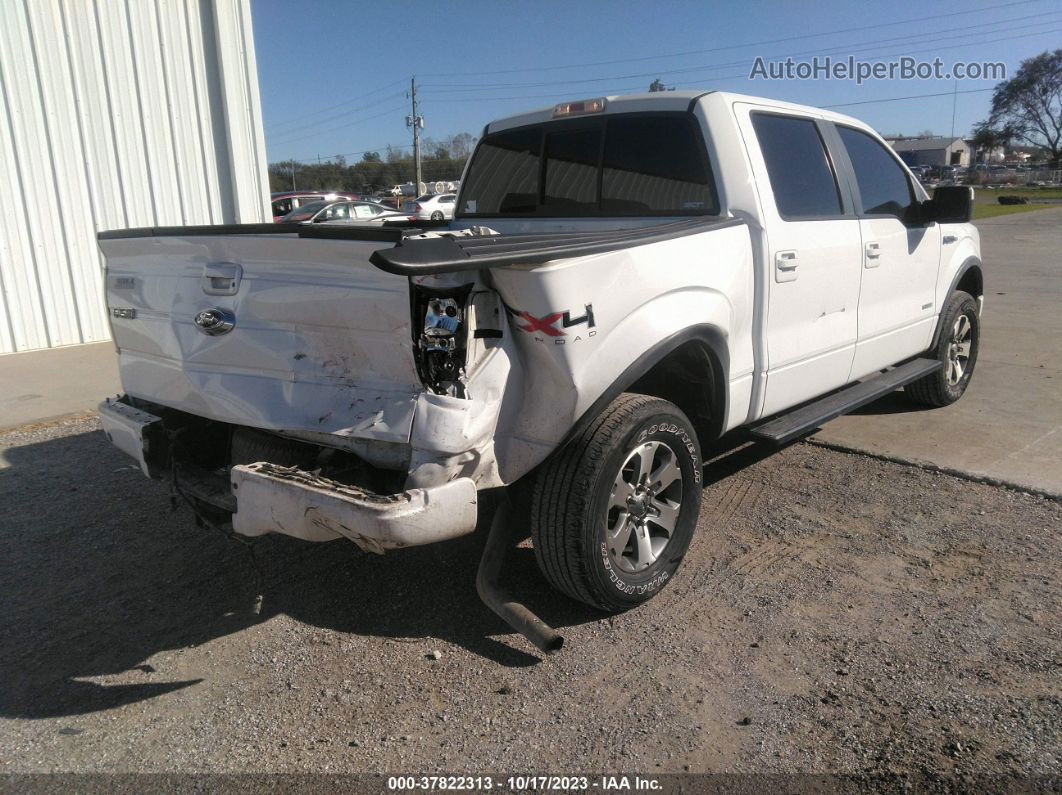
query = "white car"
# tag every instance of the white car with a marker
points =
(343, 212)
(627, 279)
(438, 207)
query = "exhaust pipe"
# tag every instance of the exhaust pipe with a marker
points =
(499, 541)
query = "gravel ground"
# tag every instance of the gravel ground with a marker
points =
(835, 614)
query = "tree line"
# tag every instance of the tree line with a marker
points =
(440, 160)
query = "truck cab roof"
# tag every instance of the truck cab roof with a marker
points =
(657, 101)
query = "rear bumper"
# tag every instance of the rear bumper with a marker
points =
(275, 499)
(132, 431)
(287, 500)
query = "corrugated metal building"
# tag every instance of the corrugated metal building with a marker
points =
(113, 114)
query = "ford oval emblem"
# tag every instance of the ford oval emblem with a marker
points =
(215, 321)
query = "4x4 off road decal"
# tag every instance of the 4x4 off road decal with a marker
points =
(547, 324)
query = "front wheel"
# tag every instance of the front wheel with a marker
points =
(957, 347)
(613, 511)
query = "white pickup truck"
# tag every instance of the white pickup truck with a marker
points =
(625, 280)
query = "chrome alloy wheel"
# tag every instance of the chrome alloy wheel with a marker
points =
(644, 507)
(959, 349)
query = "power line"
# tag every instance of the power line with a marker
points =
(745, 76)
(286, 137)
(733, 46)
(552, 95)
(312, 124)
(835, 105)
(342, 126)
(909, 96)
(705, 67)
(331, 108)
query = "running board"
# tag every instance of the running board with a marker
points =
(812, 416)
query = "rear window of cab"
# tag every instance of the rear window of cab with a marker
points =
(634, 164)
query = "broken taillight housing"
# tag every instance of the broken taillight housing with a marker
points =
(440, 335)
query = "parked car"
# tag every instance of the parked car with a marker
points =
(625, 281)
(283, 203)
(942, 172)
(431, 207)
(343, 212)
(921, 172)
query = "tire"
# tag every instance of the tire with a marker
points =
(437, 216)
(960, 339)
(579, 514)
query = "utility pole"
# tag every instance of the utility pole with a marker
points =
(417, 123)
(954, 102)
(293, 175)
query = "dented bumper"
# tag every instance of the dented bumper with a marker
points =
(132, 431)
(276, 499)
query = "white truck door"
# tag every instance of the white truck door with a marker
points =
(897, 301)
(813, 257)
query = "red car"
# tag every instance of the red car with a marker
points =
(283, 203)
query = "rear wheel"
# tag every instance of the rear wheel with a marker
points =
(613, 511)
(436, 216)
(957, 348)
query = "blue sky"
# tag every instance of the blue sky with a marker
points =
(334, 74)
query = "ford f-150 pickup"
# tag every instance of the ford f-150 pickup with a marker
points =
(625, 280)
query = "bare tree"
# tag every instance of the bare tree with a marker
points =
(1028, 106)
(460, 145)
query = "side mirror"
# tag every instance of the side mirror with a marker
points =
(951, 204)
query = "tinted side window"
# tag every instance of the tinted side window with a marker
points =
(654, 164)
(505, 178)
(282, 206)
(801, 177)
(883, 186)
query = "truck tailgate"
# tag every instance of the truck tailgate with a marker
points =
(321, 339)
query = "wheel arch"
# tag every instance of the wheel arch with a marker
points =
(672, 370)
(969, 278)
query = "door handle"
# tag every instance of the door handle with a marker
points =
(785, 264)
(873, 255)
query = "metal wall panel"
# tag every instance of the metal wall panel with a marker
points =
(113, 114)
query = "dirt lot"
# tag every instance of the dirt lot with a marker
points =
(836, 614)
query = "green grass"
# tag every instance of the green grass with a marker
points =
(985, 210)
(986, 202)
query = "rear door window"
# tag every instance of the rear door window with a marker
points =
(802, 179)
